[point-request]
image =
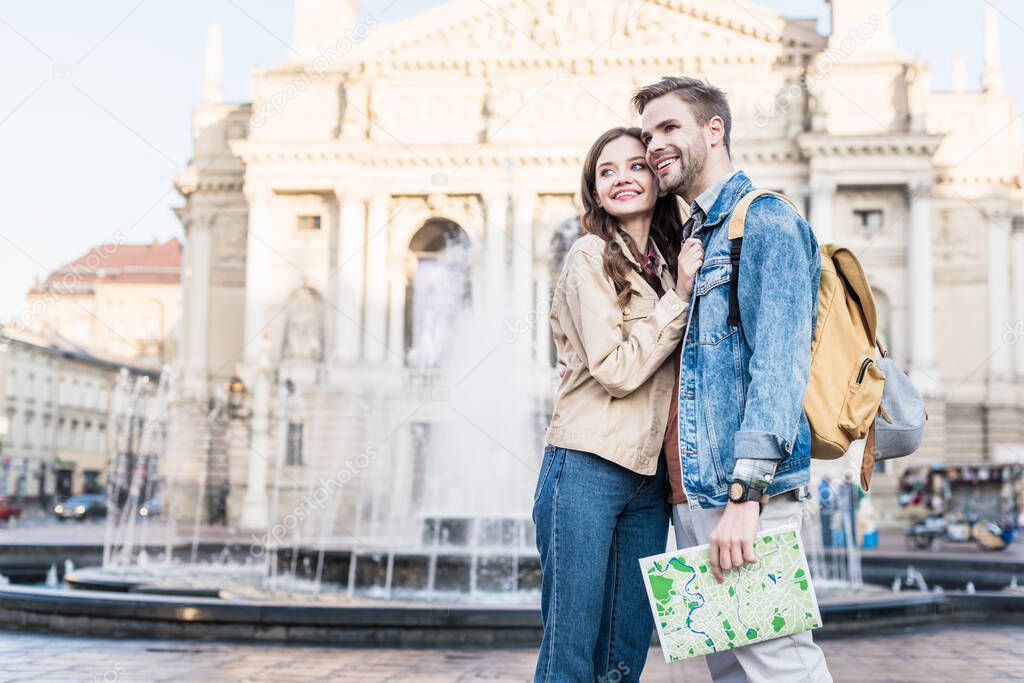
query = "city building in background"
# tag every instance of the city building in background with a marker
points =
(317, 214)
(119, 300)
(55, 416)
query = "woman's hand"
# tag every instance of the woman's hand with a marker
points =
(691, 258)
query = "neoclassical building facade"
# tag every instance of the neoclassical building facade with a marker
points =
(315, 213)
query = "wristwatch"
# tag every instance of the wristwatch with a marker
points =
(742, 492)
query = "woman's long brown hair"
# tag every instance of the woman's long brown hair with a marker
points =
(666, 226)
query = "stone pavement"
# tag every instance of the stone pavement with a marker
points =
(969, 653)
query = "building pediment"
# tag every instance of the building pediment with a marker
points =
(567, 32)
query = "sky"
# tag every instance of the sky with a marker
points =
(96, 101)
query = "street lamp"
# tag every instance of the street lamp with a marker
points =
(236, 396)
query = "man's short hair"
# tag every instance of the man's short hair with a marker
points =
(705, 100)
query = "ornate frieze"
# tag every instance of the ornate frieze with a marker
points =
(909, 144)
(537, 29)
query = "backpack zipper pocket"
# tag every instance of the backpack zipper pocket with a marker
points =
(864, 368)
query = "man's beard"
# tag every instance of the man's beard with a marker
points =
(691, 165)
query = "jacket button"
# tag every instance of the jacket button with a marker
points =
(626, 310)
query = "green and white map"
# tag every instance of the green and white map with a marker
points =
(696, 615)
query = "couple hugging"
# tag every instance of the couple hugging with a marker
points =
(713, 424)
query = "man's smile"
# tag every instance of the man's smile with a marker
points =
(664, 163)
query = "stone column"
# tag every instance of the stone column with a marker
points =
(196, 300)
(998, 226)
(259, 262)
(799, 194)
(542, 330)
(524, 303)
(823, 189)
(375, 341)
(1018, 298)
(255, 513)
(397, 284)
(495, 280)
(350, 276)
(920, 285)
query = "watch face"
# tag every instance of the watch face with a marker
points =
(735, 491)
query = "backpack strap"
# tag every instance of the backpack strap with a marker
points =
(737, 221)
(867, 465)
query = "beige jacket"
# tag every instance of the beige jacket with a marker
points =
(613, 399)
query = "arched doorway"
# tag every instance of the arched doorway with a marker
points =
(567, 232)
(438, 290)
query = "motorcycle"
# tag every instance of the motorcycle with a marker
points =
(988, 535)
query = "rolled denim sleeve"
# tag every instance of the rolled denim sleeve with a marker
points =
(755, 473)
(778, 285)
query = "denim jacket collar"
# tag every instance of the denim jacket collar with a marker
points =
(737, 186)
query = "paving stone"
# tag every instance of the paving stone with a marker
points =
(964, 654)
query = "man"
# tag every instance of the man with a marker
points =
(742, 431)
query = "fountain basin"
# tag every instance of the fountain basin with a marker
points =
(364, 622)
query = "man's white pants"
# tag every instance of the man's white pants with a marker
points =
(781, 660)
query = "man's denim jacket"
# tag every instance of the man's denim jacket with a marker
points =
(741, 392)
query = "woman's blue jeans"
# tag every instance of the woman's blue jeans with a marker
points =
(595, 520)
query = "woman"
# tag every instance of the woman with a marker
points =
(617, 315)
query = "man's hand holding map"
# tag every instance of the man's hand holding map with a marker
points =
(696, 615)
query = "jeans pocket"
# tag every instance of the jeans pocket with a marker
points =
(550, 453)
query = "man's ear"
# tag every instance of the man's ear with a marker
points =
(716, 129)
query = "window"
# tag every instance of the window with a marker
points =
(12, 425)
(308, 222)
(29, 427)
(872, 219)
(47, 438)
(293, 454)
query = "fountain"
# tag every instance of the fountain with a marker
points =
(445, 533)
(397, 504)
(419, 491)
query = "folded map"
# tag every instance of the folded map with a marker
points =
(696, 615)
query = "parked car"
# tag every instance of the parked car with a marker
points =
(82, 507)
(151, 508)
(8, 509)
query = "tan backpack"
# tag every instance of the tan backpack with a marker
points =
(845, 388)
